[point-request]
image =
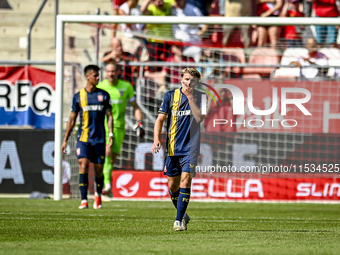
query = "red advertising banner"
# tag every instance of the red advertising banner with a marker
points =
(323, 105)
(27, 97)
(153, 185)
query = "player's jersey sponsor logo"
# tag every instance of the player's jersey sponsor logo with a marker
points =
(117, 101)
(100, 98)
(181, 113)
(121, 93)
(89, 108)
(78, 151)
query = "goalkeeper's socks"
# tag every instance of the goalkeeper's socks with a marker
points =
(107, 171)
(174, 197)
(83, 183)
(99, 184)
(183, 201)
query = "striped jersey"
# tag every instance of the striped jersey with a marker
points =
(92, 108)
(183, 131)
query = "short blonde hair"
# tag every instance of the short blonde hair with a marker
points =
(192, 71)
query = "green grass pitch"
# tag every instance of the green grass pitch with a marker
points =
(130, 227)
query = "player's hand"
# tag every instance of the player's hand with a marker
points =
(186, 90)
(139, 128)
(63, 147)
(156, 147)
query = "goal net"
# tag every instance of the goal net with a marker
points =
(279, 120)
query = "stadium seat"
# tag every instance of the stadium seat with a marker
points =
(235, 55)
(253, 77)
(264, 56)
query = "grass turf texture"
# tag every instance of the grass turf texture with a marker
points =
(127, 227)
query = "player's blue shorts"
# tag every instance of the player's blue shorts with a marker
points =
(94, 152)
(175, 165)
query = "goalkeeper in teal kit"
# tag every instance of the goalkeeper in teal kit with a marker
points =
(182, 107)
(120, 92)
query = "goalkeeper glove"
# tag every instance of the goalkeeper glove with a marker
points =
(138, 127)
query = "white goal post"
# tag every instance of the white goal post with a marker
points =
(63, 19)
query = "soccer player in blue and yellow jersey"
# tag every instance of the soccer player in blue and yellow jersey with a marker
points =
(182, 107)
(93, 104)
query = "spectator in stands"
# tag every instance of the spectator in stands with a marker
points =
(224, 111)
(130, 7)
(123, 58)
(237, 8)
(130, 40)
(172, 74)
(313, 57)
(188, 33)
(157, 47)
(209, 56)
(268, 8)
(115, 5)
(203, 5)
(329, 9)
(307, 8)
(292, 33)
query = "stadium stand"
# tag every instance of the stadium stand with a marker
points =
(261, 56)
(15, 21)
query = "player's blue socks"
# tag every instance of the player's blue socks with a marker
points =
(83, 183)
(107, 171)
(183, 201)
(174, 197)
(99, 184)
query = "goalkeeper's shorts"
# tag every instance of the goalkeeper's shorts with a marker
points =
(175, 165)
(93, 152)
(118, 138)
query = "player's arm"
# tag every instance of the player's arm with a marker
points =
(70, 125)
(157, 133)
(138, 127)
(110, 125)
(196, 111)
(137, 110)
